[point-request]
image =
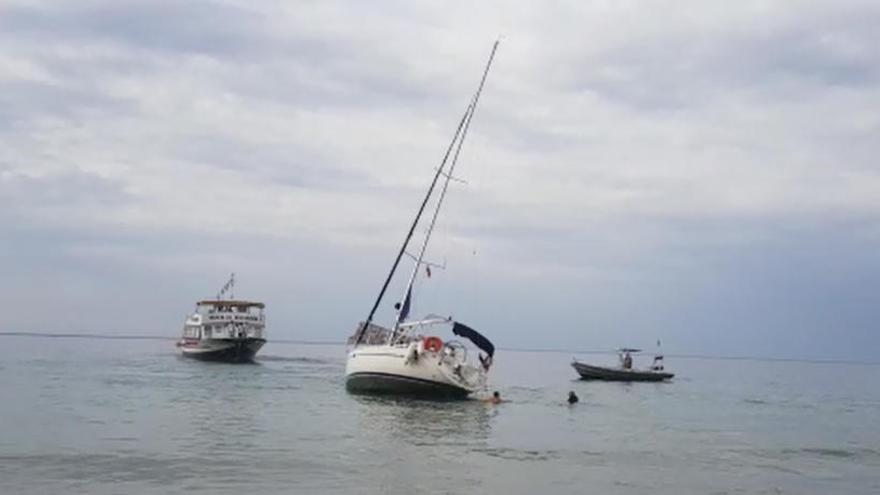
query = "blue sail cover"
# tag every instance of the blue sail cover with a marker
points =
(404, 310)
(474, 336)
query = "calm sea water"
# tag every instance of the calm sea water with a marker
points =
(102, 416)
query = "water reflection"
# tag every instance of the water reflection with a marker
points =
(425, 422)
(225, 405)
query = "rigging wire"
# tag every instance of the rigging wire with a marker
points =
(456, 143)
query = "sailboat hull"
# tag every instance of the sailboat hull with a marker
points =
(388, 384)
(388, 370)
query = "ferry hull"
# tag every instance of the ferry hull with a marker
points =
(224, 350)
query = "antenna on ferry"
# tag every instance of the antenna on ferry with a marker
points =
(228, 287)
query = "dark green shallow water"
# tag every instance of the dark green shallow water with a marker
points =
(102, 416)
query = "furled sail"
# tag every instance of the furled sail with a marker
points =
(404, 310)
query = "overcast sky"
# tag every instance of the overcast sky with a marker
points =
(700, 172)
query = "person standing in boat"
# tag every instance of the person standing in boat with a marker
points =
(627, 361)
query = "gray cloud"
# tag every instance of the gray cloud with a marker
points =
(702, 173)
(21, 191)
(784, 56)
(275, 163)
(198, 27)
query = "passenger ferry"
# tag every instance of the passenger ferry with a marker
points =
(220, 329)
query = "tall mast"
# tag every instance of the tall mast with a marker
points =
(462, 125)
(447, 177)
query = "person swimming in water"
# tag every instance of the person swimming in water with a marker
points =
(572, 397)
(495, 399)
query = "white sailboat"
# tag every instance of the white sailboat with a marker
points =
(407, 359)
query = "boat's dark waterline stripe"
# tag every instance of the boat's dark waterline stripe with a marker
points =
(387, 383)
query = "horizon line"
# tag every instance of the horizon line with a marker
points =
(87, 335)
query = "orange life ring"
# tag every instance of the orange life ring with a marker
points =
(433, 344)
